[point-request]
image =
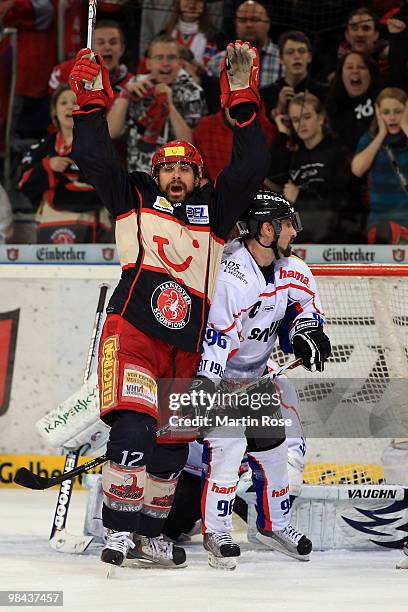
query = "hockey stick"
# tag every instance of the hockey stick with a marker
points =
(60, 538)
(91, 27)
(290, 365)
(30, 480)
(26, 478)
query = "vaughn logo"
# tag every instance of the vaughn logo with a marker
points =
(8, 342)
(371, 493)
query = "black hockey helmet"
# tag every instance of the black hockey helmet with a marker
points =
(268, 206)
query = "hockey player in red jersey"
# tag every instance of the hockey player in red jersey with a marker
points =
(170, 230)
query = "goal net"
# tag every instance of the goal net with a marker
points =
(359, 403)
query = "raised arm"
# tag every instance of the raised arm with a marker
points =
(93, 150)
(238, 183)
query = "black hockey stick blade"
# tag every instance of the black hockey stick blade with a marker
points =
(30, 480)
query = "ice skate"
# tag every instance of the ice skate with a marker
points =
(117, 546)
(221, 550)
(403, 564)
(157, 551)
(288, 542)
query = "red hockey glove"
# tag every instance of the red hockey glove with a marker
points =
(239, 75)
(92, 71)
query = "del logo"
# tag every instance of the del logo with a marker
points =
(8, 341)
(163, 205)
(171, 305)
(13, 254)
(108, 253)
(300, 253)
(398, 255)
(197, 214)
(294, 274)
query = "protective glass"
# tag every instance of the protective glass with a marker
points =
(294, 218)
(171, 166)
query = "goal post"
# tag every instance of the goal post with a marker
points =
(366, 309)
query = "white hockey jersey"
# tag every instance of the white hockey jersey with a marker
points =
(249, 312)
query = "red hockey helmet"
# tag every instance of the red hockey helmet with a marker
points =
(177, 151)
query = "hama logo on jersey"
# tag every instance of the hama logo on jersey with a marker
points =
(294, 274)
(197, 214)
(171, 305)
(280, 492)
(8, 342)
(109, 372)
(164, 205)
(139, 386)
(223, 490)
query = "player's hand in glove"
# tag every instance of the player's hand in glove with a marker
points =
(311, 344)
(239, 76)
(200, 391)
(92, 71)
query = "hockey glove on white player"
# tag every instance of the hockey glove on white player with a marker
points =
(201, 390)
(311, 344)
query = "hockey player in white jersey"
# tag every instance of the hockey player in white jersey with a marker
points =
(262, 292)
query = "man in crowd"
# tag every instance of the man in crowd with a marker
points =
(252, 23)
(162, 105)
(109, 42)
(295, 52)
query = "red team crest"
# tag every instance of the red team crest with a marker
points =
(171, 305)
(13, 254)
(8, 340)
(398, 255)
(108, 253)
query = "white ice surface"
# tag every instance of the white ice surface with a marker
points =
(338, 581)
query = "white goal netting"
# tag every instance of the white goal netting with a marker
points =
(353, 410)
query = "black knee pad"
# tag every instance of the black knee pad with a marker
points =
(132, 438)
(168, 459)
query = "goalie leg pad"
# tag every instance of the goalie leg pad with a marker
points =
(271, 483)
(221, 461)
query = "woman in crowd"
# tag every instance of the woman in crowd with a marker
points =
(190, 26)
(382, 154)
(350, 103)
(312, 167)
(68, 209)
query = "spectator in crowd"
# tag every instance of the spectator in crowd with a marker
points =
(36, 55)
(362, 36)
(310, 169)
(161, 106)
(190, 26)
(382, 154)
(155, 18)
(6, 216)
(398, 54)
(295, 52)
(210, 85)
(109, 41)
(68, 209)
(252, 23)
(213, 138)
(350, 103)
